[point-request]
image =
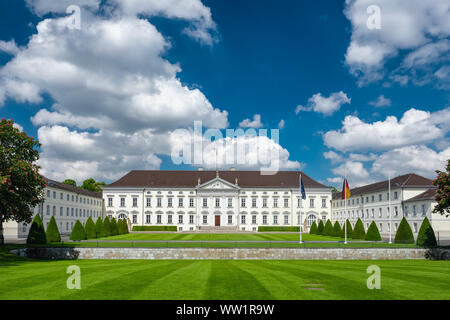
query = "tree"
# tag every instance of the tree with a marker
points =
(404, 233)
(334, 190)
(443, 192)
(313, 228)
(52, 232)
(349, 230)
(426, 237)
(373, 234)
(336, 229)
(78, 232)
(328, 229)
(114, 228)
(36, 235)
(99, 231)
(107, 227)
(359, 232)
(70, 182)
(21, 185)
(92, 185)
(89, 227)
(320, 228)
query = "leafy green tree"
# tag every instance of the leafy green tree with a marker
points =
(443, 192)
(70, 182)
(78, 232)
(359, 232)
(426, 236)
(373, 234)
(404, 233)
(89, 227)
(349, 230)
(320, 228)
(328, 229)
(52, 232)
(92, 185)
(336, 229)
(114, 228)
(313, 228)
(99, 232)
(107, 227)
(21, 185)
(37, 235)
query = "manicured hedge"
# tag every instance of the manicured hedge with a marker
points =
(320, 228)
(37, 235)
(349, 230)
(52, 232)
(359, 232)
(404, 233)
(114, 228)
(106, 227)
(278, 229)
(373, 234)
(313, 229)
(337, 229)
(99, 232)
(426, 237)
(78, 232)
(155, 228)
(328, 229)
(91, 233)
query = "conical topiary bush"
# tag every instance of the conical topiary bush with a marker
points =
(114, 229)
(336, 229)
(373, 234)
(78, 232)
(91, 232)
(320, 228)
(313, 228)
(52, 232)
(426, 236)
(37, 235)
(328, 229)
(404, 233)
(359, 232)
(107, 227)
(349, 230)
(99, 232)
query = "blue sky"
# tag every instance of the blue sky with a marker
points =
(261, 58)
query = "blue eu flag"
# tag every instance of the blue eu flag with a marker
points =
(302, 188)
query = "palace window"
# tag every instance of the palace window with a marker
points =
(311, 203)
(254, 219)
(110, 202)
(191, 202)
(159, 202)
(230, 202)
(264, 204)
(414, 211)
(275, 203)
(148, 202)
(148, 219)
(169, 219)
(265, 219)
(286, 203)
(242, 219)
(191, 219)
(395, 195)
(275, 219)
(205, 219)
(67, 212)
(180, 202)
(169, 202)
(135, 202)
(324, 203)
(253, 202)
(230, 219)
(180, 219)
(286, 219)
(380, 197)
(243, 202)
(158, 219)
(61, 211)
(217, 202)
(205, 202)
(299, 202)
(134, 218)
(423, 210)
(122, 202)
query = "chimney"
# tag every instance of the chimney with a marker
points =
(236, 181)
(199, 182)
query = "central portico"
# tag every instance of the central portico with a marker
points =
(216, 200)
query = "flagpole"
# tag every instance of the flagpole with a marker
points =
(345, 204)
(390, 212)
(300, 225)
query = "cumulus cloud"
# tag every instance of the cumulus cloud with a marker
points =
(255, 123)
(411, 159)
(381, 102)
(416, 27)
(281, 124)
(353, 171)
(325, 105)
(117, 99)
(9, 47)
(415, 127)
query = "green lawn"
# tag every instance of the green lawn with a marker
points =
(225, 279)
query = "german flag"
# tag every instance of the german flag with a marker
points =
(345, 190)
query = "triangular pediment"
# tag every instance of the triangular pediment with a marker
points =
(218, 184)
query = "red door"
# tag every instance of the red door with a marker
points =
(217, 221)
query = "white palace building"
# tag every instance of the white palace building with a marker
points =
(215, 200)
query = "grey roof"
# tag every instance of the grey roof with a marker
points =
(427, 195)
(67, 187)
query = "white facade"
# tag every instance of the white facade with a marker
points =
(66, 204)
(374, 206)
(217, 203)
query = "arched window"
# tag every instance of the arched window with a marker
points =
(311, 219)
(122, 216)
